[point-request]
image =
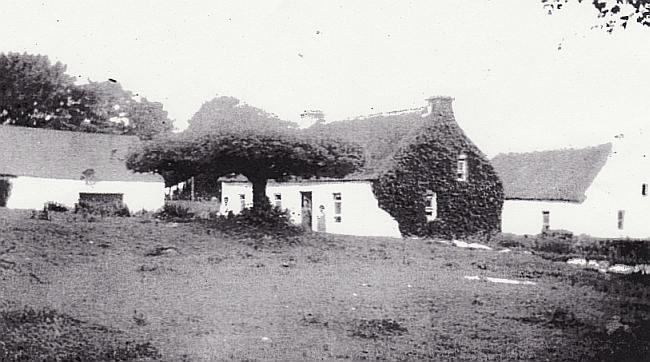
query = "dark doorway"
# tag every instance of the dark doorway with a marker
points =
(5, 190)
(306, 203)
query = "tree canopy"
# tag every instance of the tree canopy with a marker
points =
(222, 114)
(36, 93)
(613, 13)
(122, 113)
(259, 155)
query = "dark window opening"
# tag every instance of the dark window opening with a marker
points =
(337, 206)
(430, 205)
(461, 168)
(621, 219)
(546, 220)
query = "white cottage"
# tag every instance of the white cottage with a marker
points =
(422, 176)
(333, 206)
(600, 191)
(43, 165)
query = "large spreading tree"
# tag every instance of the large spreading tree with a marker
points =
(258, 155)
(225, 114)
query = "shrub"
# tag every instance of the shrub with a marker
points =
(260, 223)
(56, 207)
(174, 210)
(561, 244)
(557, 234)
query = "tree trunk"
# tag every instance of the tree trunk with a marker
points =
(260, 201)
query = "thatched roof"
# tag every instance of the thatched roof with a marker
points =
(383, 135)
(380, 135)
(559, 175)
(54, 154)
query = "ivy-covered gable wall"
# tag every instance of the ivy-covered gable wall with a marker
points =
(429, 162)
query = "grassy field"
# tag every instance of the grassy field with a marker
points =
(141, 289)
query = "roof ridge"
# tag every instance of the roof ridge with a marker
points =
(564, 149)
(51, 130)
(384, 113)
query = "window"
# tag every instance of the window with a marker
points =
(621, 219)
(431, 205)
(337, 206)
(546, 220)
(644, 189)
(277, 199)
(242, 201)
(461, 168)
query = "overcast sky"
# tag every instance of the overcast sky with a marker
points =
(521, 79)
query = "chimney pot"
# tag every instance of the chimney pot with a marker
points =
(439, 105)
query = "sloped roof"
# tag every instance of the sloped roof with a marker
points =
(380, 135)
(54, 154)
(559, 175)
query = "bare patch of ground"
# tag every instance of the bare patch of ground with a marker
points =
(189, 293)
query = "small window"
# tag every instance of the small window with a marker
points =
(431, 205)
(461, 168)
(546, 220)
(644, 189)
(337, 206)
(621, 219)
(277, 198)
(242, 201)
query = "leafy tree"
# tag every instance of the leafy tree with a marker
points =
(37, 93)
(122, 113)
(223, 114)
(613, 12)
(258, 155)
(226, 114)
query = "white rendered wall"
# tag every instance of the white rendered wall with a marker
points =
(525, 217)
(616, 187)
(360, 212)
(33, 192)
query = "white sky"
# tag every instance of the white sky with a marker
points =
(514, 89)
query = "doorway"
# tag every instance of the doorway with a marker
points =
(306, 203)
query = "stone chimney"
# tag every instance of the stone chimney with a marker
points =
(310, 117)
(439, 106)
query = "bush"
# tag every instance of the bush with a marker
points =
(557, 234)
(174, 210)
(55, 206)
(259, 223)
(560, 244)
(549, 245)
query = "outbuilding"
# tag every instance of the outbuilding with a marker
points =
(42, 165)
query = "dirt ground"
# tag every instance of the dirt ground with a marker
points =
(197, 295)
